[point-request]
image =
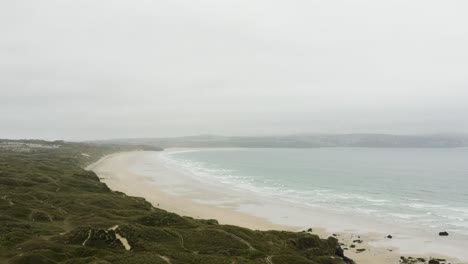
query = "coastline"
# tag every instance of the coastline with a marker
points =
(115, 170)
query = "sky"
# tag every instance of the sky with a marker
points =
(82, 70)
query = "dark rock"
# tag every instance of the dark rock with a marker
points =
(309, 230)
(339, 252)
(444, 233)
(389, 236)
(433, 261)
(348, 260)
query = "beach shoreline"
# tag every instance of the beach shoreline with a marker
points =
(117, 172)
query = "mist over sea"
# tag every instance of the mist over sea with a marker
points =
(420, 188)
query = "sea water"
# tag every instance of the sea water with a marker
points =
(423, 187)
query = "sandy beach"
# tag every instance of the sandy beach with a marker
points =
(176, 191)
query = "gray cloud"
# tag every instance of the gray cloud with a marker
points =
(102, 69)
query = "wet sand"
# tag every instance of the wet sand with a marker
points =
(176, 191)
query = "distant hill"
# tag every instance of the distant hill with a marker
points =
(304, 141)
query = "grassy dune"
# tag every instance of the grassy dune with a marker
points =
(54, 211)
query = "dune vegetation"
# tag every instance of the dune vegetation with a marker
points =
(54, 211)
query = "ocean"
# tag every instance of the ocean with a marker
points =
(422, 188)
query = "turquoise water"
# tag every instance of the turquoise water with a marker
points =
(424, 187)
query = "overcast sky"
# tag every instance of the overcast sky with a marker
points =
(92, 69)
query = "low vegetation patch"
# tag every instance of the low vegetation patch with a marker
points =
(54, 211)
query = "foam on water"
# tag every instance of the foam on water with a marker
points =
(423, 188)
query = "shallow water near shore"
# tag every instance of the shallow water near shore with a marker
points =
(412, 193)
(427, 187)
